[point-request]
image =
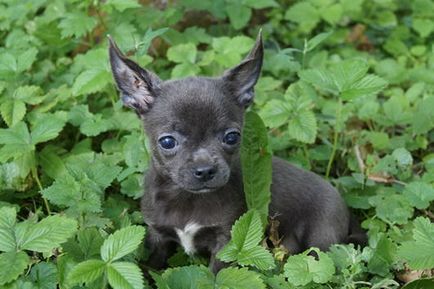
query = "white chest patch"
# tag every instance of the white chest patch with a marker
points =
(186, 237)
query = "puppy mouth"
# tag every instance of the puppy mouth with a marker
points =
(202, 190)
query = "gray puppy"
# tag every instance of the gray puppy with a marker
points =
(194, 190)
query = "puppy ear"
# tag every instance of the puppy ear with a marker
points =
(137, 86)
(242, 78)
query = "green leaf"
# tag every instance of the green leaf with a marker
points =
(403, 157)
(258, 257)
(147, 39)
(297, 270)
(275, 113)
(256, 155)
(190, 277)
(368, 85)
(125, 275)
(47, 127)
(12, 111)
(13, 265)
(383, 256)
(76, 24)
(48, 234)
(234, 278)
(391, 207)
(246, 233)
(347, 79)
(44, 275)
(87, 271)
(7, 224)
(302, 269)
(419, 194)
(91, 81)
(239, 15)
(26, 59)
(260, 4)
(419, 252)
(182, 53)
(122, 242)
(422, 283)
(122, 5)
(302, 126)
(423, 26)
(315, 41)
(304, 14)
(19, 134)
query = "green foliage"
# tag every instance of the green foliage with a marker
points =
(346, 91)
(245, 235)
(256, 156)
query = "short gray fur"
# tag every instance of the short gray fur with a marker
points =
(198, 112)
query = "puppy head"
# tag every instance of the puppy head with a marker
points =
(193, 124)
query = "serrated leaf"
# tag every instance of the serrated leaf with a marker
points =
(122, 5)
(122, 242)
(258, 257)
(76, 24)
(238, 278)
(275, 113)
(87, 271)
(302, 269)
(44, 275)
(297, 270)
(13, 265)
(368, 85)
(17, 135)
(302, 126)
(12, 111)
(383, 256)
(125, 275)
(419, 194)
(315, 41)
(189, 277)
(46, 128)
(26, 59)
(148, 37)
(7, 224)
(260, 4)
(239, 14)
(256, 155)
(47, 234)
(419, 252)
(246, 233)
(182, 53)
(90, 81)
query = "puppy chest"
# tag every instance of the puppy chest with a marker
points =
(187, 235)
(196, 238)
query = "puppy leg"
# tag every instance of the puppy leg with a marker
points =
(322, 236)
(160, 248)
(214, 264)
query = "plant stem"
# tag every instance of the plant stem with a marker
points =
(36, 177)
(335, 138)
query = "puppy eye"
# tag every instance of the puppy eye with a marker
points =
(168, 142)
(231, 138)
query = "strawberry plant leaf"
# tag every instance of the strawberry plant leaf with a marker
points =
(87, 271)
(256, 155)
(419, 252)
(13, 265)
(122, 242)
(7, 225)
(124, 275)
(47, 234)
(234, 278)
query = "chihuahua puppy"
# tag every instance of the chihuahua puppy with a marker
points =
(194, 189)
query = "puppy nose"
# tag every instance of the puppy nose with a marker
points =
(205, 173)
